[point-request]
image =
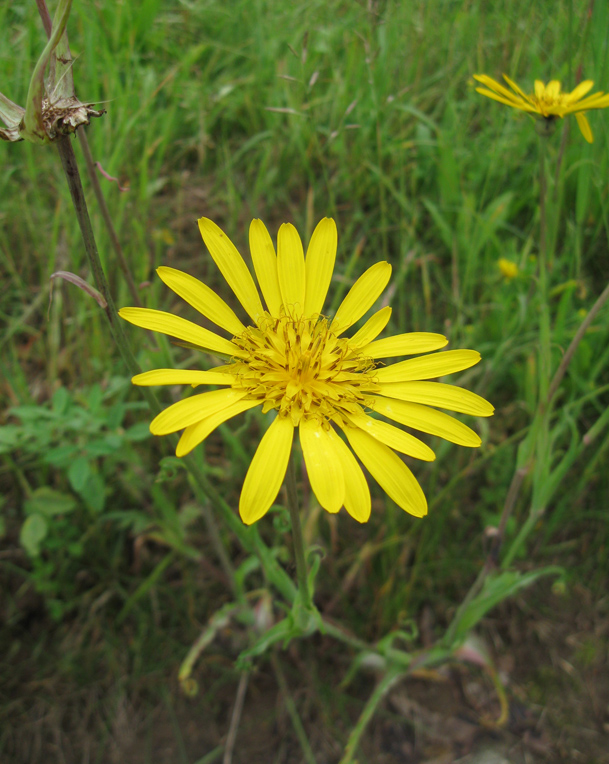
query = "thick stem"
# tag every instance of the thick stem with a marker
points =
(299, 550)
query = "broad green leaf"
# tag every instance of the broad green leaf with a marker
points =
(78, 473)
(32, 533)
(48, 503)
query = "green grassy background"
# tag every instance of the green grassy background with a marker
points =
(288, 112)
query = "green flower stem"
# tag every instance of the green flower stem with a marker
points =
(299, 550)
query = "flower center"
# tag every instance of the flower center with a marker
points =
(300, 367)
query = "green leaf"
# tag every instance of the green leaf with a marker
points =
(33, 531)
(78, 474)
(47, 502)
(497, 588)
(94, 492)
(139, 431)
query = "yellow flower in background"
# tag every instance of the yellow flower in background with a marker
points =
(507, 268)
(294, 361)
(547, 101)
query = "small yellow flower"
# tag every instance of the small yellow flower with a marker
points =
(507, 268)
(294, 361)
(548, 102)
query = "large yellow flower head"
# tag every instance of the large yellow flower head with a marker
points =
(548, 101)
(296, 362)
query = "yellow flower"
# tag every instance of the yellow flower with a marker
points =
(508, 268)
(293, 360)
(547, 101)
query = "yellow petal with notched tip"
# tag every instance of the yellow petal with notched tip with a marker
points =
(194, 409)
(323, 468)
(427, 420)
(361, 297)
(196, 433)
(266, 471)
(357, 493)
(389, 471)
(181, 329)
(372, 328)
(319, 265)
(405, 344)
(584, 126)
(428, 366)
(438, 394)
(182, 377)
(202, 298)
(265, 265)
(393, 437)
(232, 266)
(291, 269)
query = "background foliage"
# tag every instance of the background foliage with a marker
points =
(285, 111)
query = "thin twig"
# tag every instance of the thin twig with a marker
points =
(235, 718)
(103, 207)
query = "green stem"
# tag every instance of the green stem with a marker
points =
(382, 688)
(299, 550)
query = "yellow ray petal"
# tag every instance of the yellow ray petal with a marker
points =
(498, 88)
(357, 493)
(323, 467)
(202, 298)
(232, 266)
(513, 101)
(438, 394)
(428, 366)
(182, 377)
(579, 92)
(196, 433)
(181, 329)
(516, 88)
(291, 269)
(265, 265)
(361, 297)
(393, 437)
(405, 344)
(596, 101)
(267, 470)
(194, 409)
(372, 328)
(389, 471)
(584, 126)
(428, 420)
(319, 265)
(553, 89)
(540, 89)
